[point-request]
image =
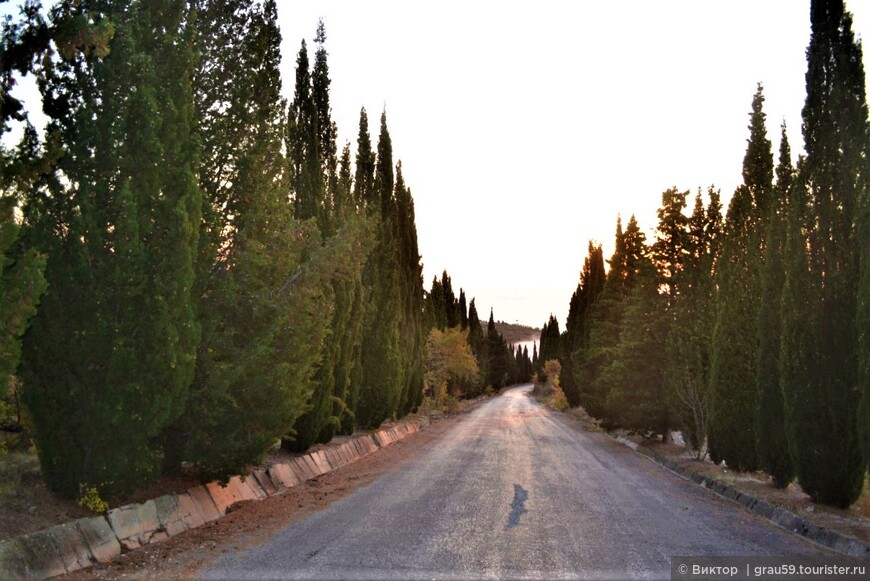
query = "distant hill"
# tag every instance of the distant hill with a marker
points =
(513, 333)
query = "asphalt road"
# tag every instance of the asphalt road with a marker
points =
(513, 491)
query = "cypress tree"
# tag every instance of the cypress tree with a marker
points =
(363, 182)
(326, 128)
(436, 312)
(364, 179)
(109, 358)
(477, 342)
(382, 361)
(770, 433)
(306, 173)
(413, 332)
(497, 353)
(463, 311)
(576, 336)
(348, 371)
(605, 317)
(327, 405)
(689, 343)
(451, 306)
(551, 341)
(819, 358)
(635, 376)
(733, 375)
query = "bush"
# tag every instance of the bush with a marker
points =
(91, 500)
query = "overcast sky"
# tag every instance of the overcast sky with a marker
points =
(524, 128)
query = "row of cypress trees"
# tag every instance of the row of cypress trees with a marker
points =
(750, 334)
(212, 264)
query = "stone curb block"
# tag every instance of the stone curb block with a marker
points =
(301, 469)
(782, 517)
(79, 544)
(309, 463)
(204, 503)
(102, 543)
(136, 524)
(264, 481)
(177, 513)
(33, 556)
(236, 490)
(282, 476)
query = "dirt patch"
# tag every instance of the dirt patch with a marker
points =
(253, 523)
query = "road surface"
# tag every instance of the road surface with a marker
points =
(514, 491)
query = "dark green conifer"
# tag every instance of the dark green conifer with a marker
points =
(463, 311)
(576, 335)
(605, 319)
(382, 355)
(733, 375)
(498, 354)
(109, 359)
(477, 342)
(412, 330)
(770, 433)
(692, 317)
(819, 359)
(635, 377)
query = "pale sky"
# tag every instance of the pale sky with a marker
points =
(524, 128)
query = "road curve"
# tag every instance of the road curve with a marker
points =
(514, 492)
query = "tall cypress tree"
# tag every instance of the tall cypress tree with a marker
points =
(109, 358)
(364, 180)
(327, 405)
(606, 315)
(733, 392)
(498, 354)
(819, 359)
(576, 336)
(451, 306)
(477, 342)
(770, 432)
(306, 172)
(435, 311)
(551, 342)
(692, 318)
(363, 183)
(635, 376)
(412, 330)
(382, 361)
(463, 311)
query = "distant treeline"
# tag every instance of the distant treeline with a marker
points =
(499, 364)
(750, 334)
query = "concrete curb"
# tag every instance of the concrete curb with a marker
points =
(80, 544)
(782, 517)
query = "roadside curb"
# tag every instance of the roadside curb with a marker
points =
(782, 517)
(80, 544)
